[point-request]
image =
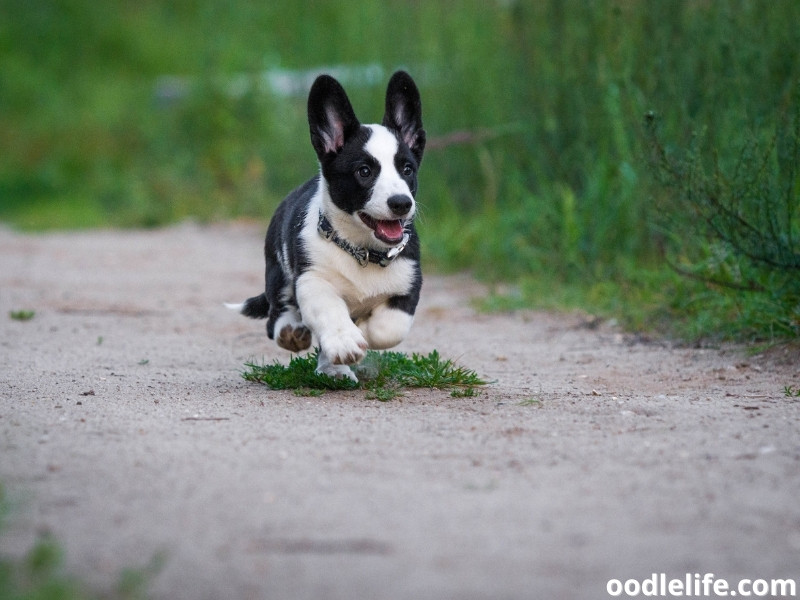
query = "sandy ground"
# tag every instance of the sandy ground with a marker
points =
(127, 432)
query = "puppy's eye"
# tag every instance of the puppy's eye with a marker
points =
(364, 172)
(408, 169)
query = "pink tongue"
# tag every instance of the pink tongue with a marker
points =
(389, 230)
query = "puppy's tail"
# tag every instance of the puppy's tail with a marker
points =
(256, 307)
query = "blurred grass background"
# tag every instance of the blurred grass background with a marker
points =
(536, 179)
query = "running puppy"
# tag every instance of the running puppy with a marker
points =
(341, 250)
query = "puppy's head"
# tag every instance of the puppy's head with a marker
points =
(370, 171)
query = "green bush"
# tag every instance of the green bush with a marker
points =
(736, 227)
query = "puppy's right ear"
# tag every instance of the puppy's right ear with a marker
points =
(330, 116)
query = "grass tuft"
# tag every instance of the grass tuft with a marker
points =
(22, 315)
(466, 392)
(297, 375)
(382, 374)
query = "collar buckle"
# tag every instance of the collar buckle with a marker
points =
(393, 253)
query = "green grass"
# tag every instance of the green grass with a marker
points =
(382, 374)
(40, 574)
(22, 315)
(466, 392)
(549, 188)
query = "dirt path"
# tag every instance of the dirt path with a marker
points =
(126, 431)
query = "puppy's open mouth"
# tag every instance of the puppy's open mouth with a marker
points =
(390, 231)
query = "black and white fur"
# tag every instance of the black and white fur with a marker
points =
(366, 190)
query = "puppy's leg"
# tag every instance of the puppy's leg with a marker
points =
(327, 315)
(291, 334)
(385, 327)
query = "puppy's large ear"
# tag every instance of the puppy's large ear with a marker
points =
(404, 112)
(330, 116)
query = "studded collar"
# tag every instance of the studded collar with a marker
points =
(364, 256)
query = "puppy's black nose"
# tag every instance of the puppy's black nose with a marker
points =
(400, 205)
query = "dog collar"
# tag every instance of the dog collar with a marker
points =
(364, 256)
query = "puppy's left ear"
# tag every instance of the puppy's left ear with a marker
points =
(404, 112)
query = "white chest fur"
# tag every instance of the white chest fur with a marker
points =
(361, 288)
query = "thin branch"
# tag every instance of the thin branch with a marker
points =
(751, 287)
(471, 136)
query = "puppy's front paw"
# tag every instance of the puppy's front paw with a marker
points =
(336, 371)
(326, 367)
(344, 348)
